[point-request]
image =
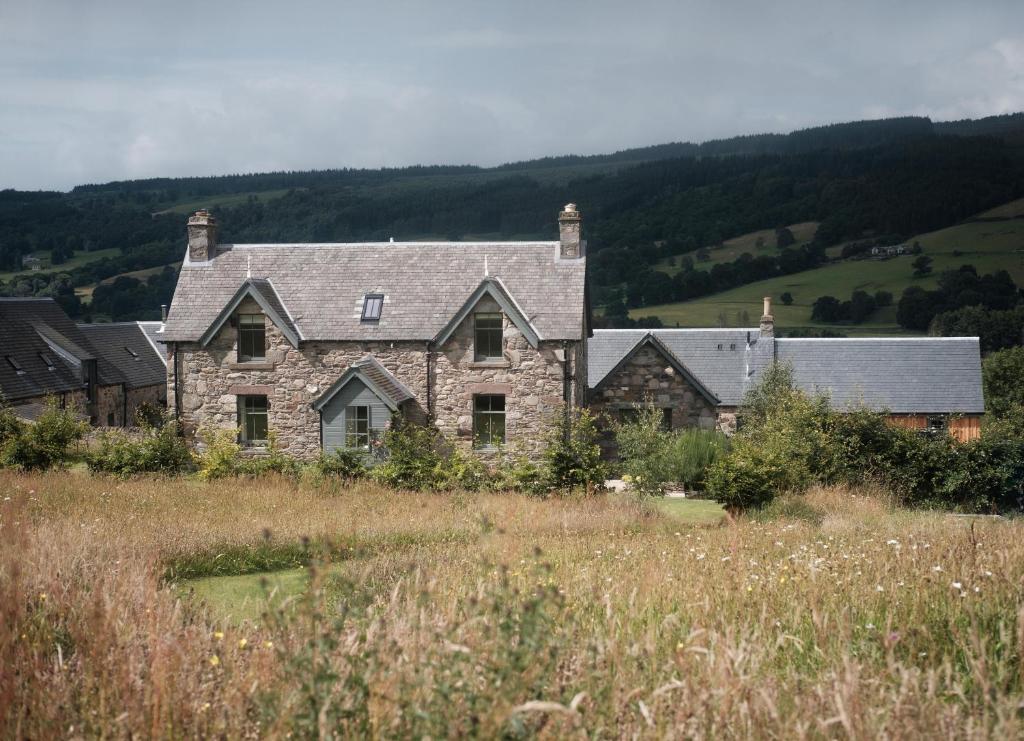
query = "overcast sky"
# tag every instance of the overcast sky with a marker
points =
(98, 90)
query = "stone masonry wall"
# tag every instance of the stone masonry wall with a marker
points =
(531, 380)
(212, 378)
(152, 395)
(648, 376)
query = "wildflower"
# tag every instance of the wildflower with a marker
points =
(42, 597)
(936, 569)
(879, 588)
(870, 626)
(214, 660)
(206, 706)
(957, 585)
(243, 643)
(218, 635)
(892, 542)
(268, 644)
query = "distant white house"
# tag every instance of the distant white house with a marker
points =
(31, 262)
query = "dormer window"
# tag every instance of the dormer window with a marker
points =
(252, 337)
(487, 336)
(373, 304)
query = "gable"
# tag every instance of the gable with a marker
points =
(650, 345)
(263, 293)
(369, 374)
(493, 289)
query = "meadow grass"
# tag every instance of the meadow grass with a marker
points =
(498, 615)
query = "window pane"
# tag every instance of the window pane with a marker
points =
(373, 304)
(357, 427)
(488, 331)
(252, 337)
(488, 420)
(253, 410)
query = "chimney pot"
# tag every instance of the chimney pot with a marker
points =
(570, 245)
(202, 236)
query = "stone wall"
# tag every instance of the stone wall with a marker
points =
(211, 378)
(153, 395)
(108, 410)
(648, 377)
(531, 380)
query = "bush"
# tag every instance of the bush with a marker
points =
(342, 463)
(10, 425)
(572, 458)
(46, 442)
(753, 473)
(273, 461)
(642, 445)
(690, 453)
(1003, 372)
(519, 473)
(412, 457)
(159, 449)
(223, 454)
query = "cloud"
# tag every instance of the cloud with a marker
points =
(117, 89)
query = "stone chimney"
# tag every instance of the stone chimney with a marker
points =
(202, 236)
(767, 320)
(570, 244)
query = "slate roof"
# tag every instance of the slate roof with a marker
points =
(154, 332)
(390, 390)
(116, 342)
(914, 375)
(903, 375)
(424, 285)
(724, 372)
(31, 328)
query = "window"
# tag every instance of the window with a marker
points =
(373, 303)
(357, 427)
(252, 418)
(131, 352)
(252, 337)
(110, 419)
(487, 336)
(488, 420)
(45, 357)
(13, 362)
(936, 424)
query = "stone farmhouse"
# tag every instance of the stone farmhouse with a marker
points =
(699, 376)
(323, 343)
(488, 341)
(105, 370)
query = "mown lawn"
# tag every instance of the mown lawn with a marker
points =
(139, 608)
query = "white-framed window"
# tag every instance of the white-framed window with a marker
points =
(487, 336)
(252, 337)
(252, 419)
(488, 420)
(357, 426)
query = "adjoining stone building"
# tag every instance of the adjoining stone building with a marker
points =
(106, 371)
(700, 376)
(324, 343)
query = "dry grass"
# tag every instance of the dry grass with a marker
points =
(487, 615)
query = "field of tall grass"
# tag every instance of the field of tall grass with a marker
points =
(830, 616)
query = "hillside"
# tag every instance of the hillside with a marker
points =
(992, 241)
(647, 211)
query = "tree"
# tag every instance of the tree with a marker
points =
(922, 266)
(883, 298)
(784, 237)
(826, 309)
(787, 298)
(1002, 373)
(703, 255)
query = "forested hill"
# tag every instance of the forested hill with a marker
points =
(895, 177)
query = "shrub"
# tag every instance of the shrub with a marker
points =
(753, 473)
(158, 449)
(223, 454)
(1002, 373)
(46, 442)
(342, 463)
(642, 445)
(273, 461)
(519, 473)
(572, 458)
(690, 453)
(10, 425)
(461, 470)
(412, 455)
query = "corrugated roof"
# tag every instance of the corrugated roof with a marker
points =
(424, 284)
(718, 358)
(902, 375)
(125, 346)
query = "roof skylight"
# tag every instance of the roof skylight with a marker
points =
(45, 357)
(13, 362)
(131, 352)
(373, 303)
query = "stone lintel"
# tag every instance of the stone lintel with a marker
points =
(489, 388)
(245, 390)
